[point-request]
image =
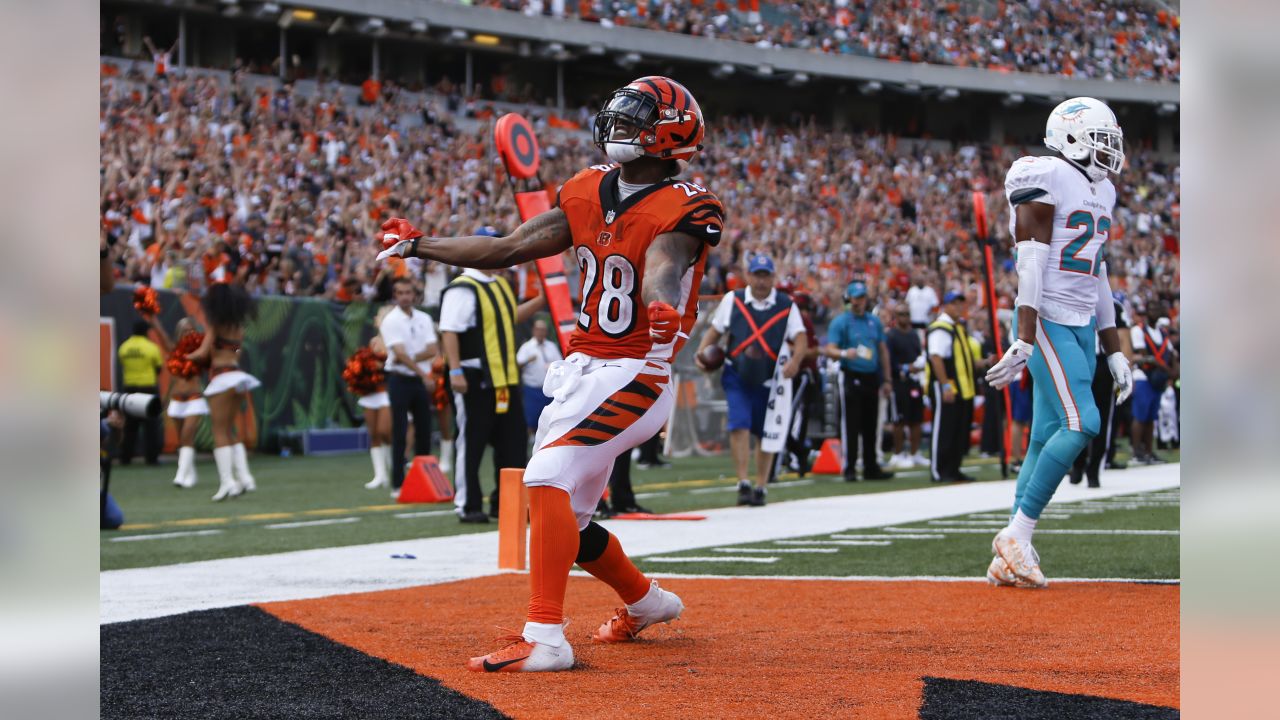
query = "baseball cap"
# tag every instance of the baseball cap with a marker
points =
(760, 263)
(952, 296)
(856, 289)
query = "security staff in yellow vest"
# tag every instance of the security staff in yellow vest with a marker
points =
(478, 318)
(951, 374)
(140, 363)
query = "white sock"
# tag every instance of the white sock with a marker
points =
(379, 464)
(241, 459)
(1021, 527)
(647, 604)
(551, 634)
(186, 474)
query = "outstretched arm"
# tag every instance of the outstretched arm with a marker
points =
(541, 236)
(1033, 229)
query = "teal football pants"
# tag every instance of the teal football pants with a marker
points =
(1064, 418)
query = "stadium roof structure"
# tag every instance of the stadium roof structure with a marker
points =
(570, 38)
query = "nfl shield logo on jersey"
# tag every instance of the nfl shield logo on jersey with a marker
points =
(609, 216)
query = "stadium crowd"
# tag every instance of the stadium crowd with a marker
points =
(204, 180)
(1129, 39)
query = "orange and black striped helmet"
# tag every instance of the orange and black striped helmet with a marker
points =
(667, 119)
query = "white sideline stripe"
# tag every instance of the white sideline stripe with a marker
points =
(778, 550)
(310, 523)
(709, 490)
(902, 536)
(164, 536)
(1051, 531)
(139, 593)
(1005, 516)
(900, 578)
(711, 559)
(425, 513)
(646, 496)
(851, 543)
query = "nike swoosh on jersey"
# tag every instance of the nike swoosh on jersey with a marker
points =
(713, 230)
(495, 667)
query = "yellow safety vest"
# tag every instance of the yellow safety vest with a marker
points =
(495, 323)
(960, 365)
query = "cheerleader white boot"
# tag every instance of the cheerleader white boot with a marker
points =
(227, 485)
(446, 455)
(381, 456)
(186, 476)
(243, 475)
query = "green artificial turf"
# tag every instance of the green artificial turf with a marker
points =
(965, 553)
(307, 489)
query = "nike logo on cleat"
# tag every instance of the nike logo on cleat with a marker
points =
(495, 667)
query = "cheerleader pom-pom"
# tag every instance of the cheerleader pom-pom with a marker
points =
(178, 364)
(146, 300)
(363, 372)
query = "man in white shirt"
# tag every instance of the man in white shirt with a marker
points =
(534, 358)
(410, 337)
(921, 300)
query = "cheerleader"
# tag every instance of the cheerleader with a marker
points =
(367, 381)
(227, 307)
(186, 400)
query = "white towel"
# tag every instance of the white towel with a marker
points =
(777, 417)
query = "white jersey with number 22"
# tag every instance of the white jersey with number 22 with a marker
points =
(1081, 227)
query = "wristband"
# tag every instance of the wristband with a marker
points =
(413, 248)
(456, 371)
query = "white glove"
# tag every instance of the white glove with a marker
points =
(1010, 366)
(1123, 374)
(397, 250)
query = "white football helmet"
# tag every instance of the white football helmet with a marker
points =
(1085, 132)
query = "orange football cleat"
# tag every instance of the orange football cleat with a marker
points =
(520, 655)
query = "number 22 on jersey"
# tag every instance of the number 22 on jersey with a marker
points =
(1075, 257)
(614, 304)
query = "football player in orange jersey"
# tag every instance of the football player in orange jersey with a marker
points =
(640, 238)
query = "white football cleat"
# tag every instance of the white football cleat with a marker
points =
(521, 655)
(658, 606)
(1021, 559)
(999, 574)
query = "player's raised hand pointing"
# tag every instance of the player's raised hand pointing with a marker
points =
(397, 238)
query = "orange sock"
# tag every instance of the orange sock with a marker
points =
(618, 572)
(553, 546)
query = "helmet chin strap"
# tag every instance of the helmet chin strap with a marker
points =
(1093, 171)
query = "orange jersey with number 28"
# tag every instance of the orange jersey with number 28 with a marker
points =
(610, 239)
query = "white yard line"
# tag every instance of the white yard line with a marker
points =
(1039, 531)
(425, 513)
(898, 578)
(165, 536)
(845, 543)
(157, 591)
(311, 523)
(882, 536)
(814, 550)
(710, 559)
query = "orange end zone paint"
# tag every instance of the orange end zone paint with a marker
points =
(750, 648)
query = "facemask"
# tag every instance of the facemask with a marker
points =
(622, 152)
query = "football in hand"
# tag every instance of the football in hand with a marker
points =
(712, 357)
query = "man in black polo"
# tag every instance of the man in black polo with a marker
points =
(478, 315)
(906, 406)
(1089, 462)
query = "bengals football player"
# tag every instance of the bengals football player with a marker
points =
(640, 237)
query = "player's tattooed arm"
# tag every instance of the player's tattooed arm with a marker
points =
(665, 262)
(541, 236)
(1033, 223)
